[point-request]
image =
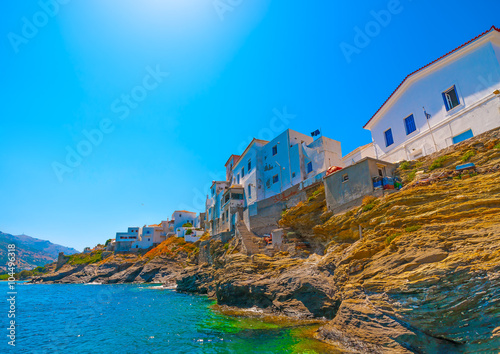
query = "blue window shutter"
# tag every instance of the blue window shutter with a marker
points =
(410, 124)
(388, 137)
(445, 102)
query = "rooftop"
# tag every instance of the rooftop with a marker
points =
(493, 28)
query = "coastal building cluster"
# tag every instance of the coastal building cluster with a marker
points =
(445, 102)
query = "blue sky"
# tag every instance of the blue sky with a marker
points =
(176, 86)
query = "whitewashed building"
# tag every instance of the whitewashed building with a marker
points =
(447, 101)
(181, 217)
(214, 206)
(265, 169)
(125, 240)
(358, 154)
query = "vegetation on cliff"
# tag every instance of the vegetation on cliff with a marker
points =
(413, 271)
(172, 248)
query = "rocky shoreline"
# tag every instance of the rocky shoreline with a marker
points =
(424, 277)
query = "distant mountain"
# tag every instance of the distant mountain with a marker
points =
(30, 252)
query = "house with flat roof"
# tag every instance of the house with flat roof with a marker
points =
(265, 169)
(346, 188)
(125, 240)
(358, 154)
(447, 101)
(214, 206)
(181, 217)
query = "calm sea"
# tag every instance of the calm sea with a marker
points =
(136, 319)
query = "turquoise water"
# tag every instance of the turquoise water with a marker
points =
(135, 319)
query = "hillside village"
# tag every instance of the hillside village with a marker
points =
(452, 99)
(394, 247)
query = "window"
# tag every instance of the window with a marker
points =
(249, 165)
(388, 137)
(249, 191)
(242, 172)
(309, 167)
(450, 98)
(275, 178)
(275, 149)
(238, 179)
(410, 125)
(293, 174)
(345, 178)
(461, 137)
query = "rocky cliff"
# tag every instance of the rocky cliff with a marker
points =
(416, 271)
(162, 264)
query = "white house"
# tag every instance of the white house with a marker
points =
(213, 206)
(125, 240)
(181, 217)
(265, 169)
(153, 234)
(358, 154)
(447, 101)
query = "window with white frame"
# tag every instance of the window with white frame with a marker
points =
(345, 178)
(450, 98)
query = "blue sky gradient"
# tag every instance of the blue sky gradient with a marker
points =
(230, 68)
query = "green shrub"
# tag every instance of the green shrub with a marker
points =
(226, 246)
(85, 258)
(368, 207)
(411, 176)
(497, 146)
(189, 232)
(404, 165)
(389, 239)
(107, 242)
(419, 164)
(413, 228)
(468, 155)
(188, 224)
(438, 163)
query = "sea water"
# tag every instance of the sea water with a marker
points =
(131, 318)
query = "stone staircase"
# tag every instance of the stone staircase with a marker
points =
(249, 247)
